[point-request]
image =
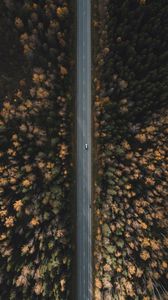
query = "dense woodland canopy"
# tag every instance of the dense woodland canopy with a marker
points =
(130, 110)
(131, 129)
(35, 155)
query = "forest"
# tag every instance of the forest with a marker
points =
(130, 128)
(36, 164)
(37, 149)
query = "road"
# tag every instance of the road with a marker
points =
(84, 177)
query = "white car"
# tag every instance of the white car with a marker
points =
(86, 146)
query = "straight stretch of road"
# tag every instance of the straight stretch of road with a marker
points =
(84, 180)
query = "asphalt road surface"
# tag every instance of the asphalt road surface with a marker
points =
(84, 236)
